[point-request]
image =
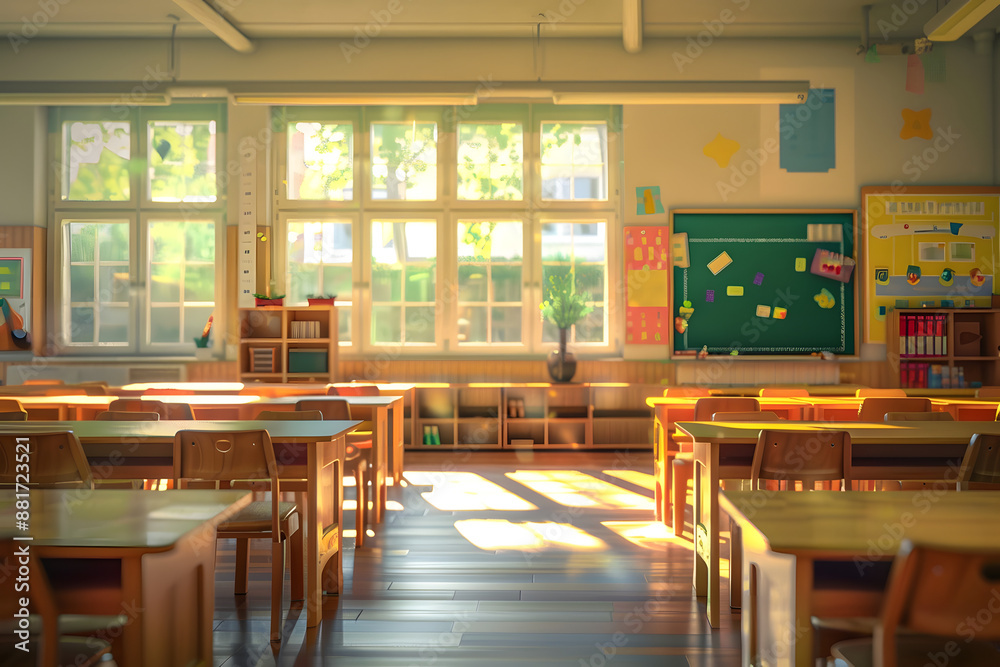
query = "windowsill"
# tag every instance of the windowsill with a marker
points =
(74, 359)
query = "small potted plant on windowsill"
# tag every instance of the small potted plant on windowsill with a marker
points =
(321, 299)
(267, 300)
(563, 307)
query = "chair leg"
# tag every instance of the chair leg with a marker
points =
(295, 554)
(277, 585)
(242, 566)
(361, 513)
(735, 565)
(682, 472)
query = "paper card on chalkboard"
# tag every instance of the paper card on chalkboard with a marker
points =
(763, 311)
(832, 265)
(679, 250)
(719, 263)
(734, 290)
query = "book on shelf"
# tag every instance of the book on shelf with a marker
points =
(515, 408)
(432, 436)
(304, 329)
(923, 335)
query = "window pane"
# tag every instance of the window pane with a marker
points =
(82, 242)
(114, 283)
(95, 161)
(181, 158)
(165, 325)
(199, 283)
(574, 161)
(113, 240)
(181, 290)
(81, 283)
(489, 271)
(320, 257)
(321, 161)
(403, 270)
(490, 161)
(580, 250)
(98, 282)
(404, 161)
(114, 324)
(81, 328)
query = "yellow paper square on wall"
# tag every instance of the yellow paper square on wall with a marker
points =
(647, 288)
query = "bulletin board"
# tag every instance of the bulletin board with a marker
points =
(928, 247)
(760, 295)
(647, 309)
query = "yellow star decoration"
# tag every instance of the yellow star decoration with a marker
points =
(916, 124)
(721, 150)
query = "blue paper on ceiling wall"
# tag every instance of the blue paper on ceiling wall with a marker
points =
(808, 141)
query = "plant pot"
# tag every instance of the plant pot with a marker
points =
(321, 302)
(561, 363)
(268, 302)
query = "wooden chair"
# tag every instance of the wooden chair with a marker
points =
(11, 405)
(126, 416)
(802, 456)
(919, 417)
(932, 596)
(354, 390)
(47, 647)
(873, 392)
(686, 392)
(875, 409)
(358, 457)
(761, 416)
(242, 455)
(14, 416)
(988, 392)
(294, 415)
(56, 460)
(981, 464)
(43, 382)
(165, 410)
(782, 392)
(682, 463)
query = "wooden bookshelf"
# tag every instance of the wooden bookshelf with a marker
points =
(967, 339)
(288, 344)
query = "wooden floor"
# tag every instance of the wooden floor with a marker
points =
(556, 585)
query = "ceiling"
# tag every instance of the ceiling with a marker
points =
(262, 19)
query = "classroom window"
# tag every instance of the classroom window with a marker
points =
(579, 249)
(490, 266)
(320, 260)
(404, 161)
(574, 161)
(491, 161)
(139, 219)
(403, 266)
(320, 161)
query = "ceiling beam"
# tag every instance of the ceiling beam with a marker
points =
(217, 23)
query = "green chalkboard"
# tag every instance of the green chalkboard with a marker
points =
(770, 243)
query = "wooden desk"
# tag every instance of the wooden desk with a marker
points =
(667, 411)
(895, 450)
(793, 542)
(146, 554)
(386, 415)
(138, 388)
(67, 407)
(125, 450)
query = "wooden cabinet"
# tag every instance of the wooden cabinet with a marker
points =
(944, 347)
(288, 344)
(533, 416)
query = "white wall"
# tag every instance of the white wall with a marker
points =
(22, 166)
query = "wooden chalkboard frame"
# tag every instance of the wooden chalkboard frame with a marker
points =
(854, 283)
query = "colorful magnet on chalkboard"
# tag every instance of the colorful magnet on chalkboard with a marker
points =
(680, 324)
(947, 277)
(709, 295)
(977, 278)
(825, 299)
(913, 274)
(719, 263)
(758, 279)
(800, 264)
(686, 310)
(763, 311)
(779, 313)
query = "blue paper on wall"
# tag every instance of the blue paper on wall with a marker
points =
(808, 140)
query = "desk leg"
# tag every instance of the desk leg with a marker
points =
(380, 446)
(706, 527)
(396, 435)
(661, 481)
(324, 525)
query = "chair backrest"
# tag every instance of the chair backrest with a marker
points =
(875, 409)
(988, 392)
(981, 464)
(126, 416)
(227, 456)
(919, 417)
(783, 392)
(64, 391)
(874, 392)
(354, 390)
(290, 415)
(178, 410)
(937, 591)
(704, 408)
(760, 416)
(55, 460)
(43, 382)
(10, 405)
(139, 405)
(686, 392)
(14, 416)
(330, 408)
(805, 456)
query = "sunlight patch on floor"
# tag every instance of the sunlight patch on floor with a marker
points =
(495, 534)
(455, 491)
(641, 479)
(576, 489)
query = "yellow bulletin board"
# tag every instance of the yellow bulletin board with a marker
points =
(933, 247)
(647, 311)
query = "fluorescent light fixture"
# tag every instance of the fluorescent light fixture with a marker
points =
(957, 18)
(217, 23)
(632, 25)
(197, 92)
(693, 92)
(91, 99)
(351, 99)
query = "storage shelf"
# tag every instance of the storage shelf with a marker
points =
(272, 326)
(967, 336)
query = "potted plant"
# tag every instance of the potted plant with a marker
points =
(563, 307)
(267, 300)
(321, 299)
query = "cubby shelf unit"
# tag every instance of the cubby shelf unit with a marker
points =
(969, 340)
(267, 332)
